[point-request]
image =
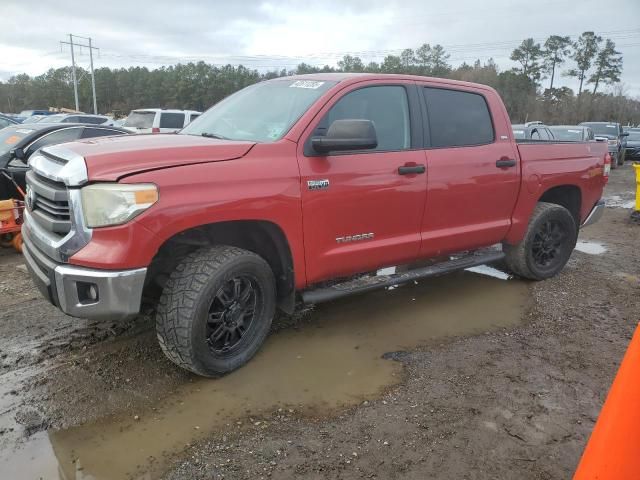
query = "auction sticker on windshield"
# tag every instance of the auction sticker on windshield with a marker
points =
(306, 84)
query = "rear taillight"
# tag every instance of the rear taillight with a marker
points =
(155, 130)
(606, 168)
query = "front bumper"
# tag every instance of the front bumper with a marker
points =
(595, 214)
(84, 292)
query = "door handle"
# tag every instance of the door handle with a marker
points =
(505, 162)
(409, 169)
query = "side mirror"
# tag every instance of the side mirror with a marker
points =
(18, 153)
(345, 135)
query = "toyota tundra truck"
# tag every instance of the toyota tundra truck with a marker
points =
(296, 191)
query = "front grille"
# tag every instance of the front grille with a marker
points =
(49, 204)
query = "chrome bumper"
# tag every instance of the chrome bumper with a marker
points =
(84, 292)
(595, 214)
(118, 293)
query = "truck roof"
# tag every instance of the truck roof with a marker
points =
(355, 77)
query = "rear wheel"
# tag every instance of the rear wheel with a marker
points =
(216, 310)
(546, 247)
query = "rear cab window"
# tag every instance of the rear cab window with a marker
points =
(140, 119)
(457, 118)
(171, 120)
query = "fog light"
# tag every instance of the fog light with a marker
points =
(87, 292)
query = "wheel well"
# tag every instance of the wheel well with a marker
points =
(261, 237)
(568, 196)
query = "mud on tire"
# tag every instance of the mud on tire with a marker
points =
(216, 310)
(547, 245)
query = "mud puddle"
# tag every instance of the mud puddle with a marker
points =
(334, 360)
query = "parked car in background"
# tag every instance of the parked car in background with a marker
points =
(157, 120)
(616, 138)
(633, 144)
(532, 131)
(34, 119)
(30, 113)
(77, 118)
(5, 121)
(574, 133)
(19, 142)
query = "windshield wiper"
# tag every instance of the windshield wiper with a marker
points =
(214, 135)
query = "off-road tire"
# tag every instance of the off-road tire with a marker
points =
(520, 257)
(183, 308)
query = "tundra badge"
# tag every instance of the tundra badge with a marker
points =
(355, 238)
(318, 184)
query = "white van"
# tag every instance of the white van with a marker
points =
(157, 120)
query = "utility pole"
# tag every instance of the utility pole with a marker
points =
(73, 70)
(93, 79)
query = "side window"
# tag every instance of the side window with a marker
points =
(386, 106)
(90, 132)
(458, 118)
(59, 136)
(172, 120)
(535, 134)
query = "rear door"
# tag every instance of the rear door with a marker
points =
(359, 210)
(474, 175)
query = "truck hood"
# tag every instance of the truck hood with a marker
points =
(111, 158)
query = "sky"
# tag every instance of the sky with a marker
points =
(280, 34)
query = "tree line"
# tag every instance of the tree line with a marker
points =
(592, 60)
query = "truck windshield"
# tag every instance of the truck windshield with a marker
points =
(604, 129)
(263, 112)
(571, 134)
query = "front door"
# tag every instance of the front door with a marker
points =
(362, 210)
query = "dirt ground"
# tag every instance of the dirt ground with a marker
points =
(464, 376)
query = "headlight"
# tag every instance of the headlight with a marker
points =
(107, 204)
(613, 142)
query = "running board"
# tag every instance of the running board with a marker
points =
(365, 284)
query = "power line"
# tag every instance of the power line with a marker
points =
(73, 63)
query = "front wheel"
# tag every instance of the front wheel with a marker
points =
(216, 310)
(547, 245)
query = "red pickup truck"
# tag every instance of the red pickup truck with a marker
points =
(292, 190)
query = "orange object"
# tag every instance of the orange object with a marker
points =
(17, 242)
(613, 451)
(11, 223)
